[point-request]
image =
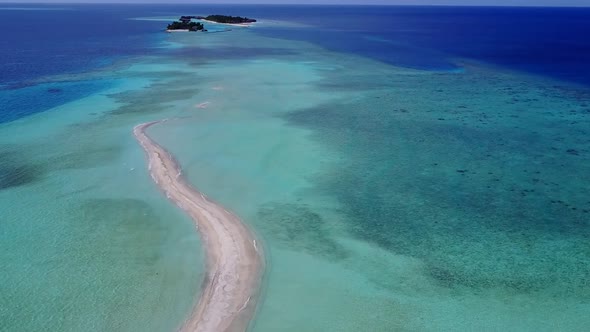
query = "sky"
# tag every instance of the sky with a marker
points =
(338, 2)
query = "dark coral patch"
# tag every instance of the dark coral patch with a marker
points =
(299, 228)
(16, 171)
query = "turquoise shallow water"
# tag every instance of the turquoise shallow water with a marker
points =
(386, 198)
(408, 200)
(85, 237)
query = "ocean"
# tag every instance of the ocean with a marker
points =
(406, 168)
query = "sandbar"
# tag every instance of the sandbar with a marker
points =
(235, 261)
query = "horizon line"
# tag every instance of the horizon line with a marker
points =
(115, 2)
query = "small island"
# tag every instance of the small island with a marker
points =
(227, 19)
(184, 25)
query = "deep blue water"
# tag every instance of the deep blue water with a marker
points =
(36, 43)
(547, 41)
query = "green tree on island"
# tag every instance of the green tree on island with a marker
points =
(191, 26)
(229, 19)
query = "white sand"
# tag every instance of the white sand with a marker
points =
(234, 259)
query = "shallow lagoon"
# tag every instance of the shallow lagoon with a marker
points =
(387, 198)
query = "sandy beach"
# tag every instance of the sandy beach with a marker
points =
(235, 262)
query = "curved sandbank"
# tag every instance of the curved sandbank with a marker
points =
(234, 261)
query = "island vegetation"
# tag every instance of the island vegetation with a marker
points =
(186, 25)
(227, 19)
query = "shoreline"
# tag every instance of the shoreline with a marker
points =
(235, 261)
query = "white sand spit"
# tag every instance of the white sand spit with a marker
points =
(235, 264)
